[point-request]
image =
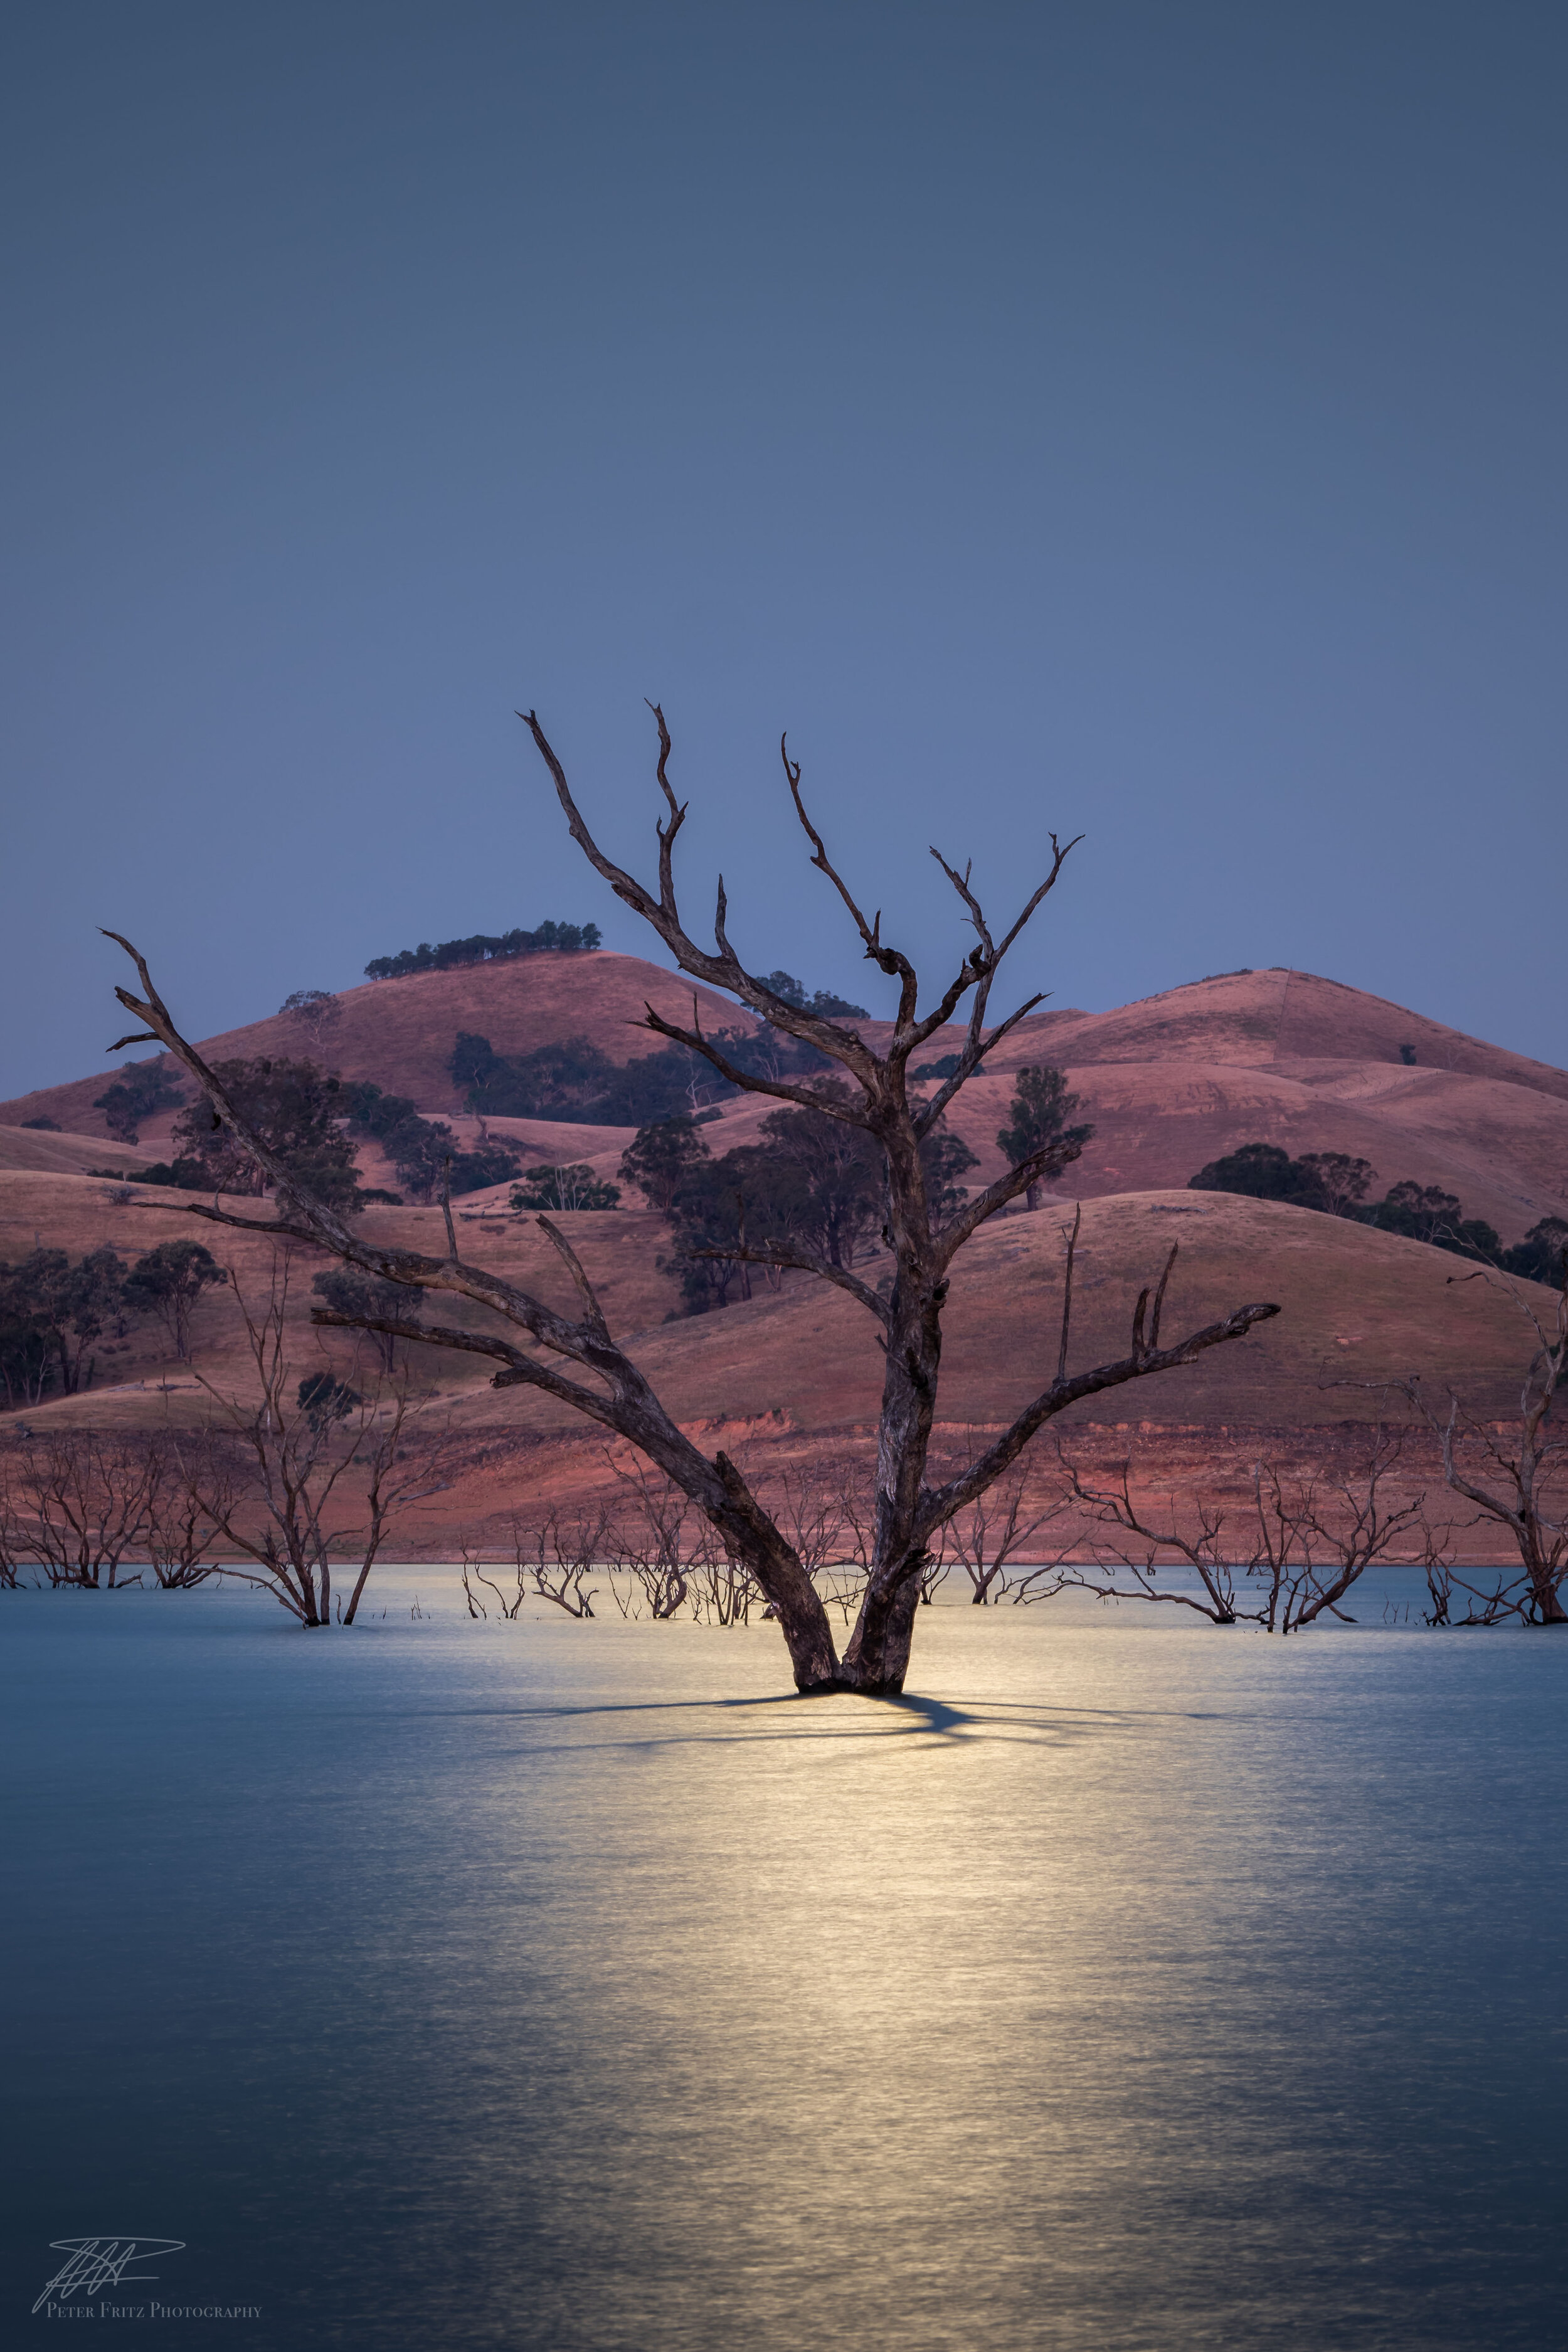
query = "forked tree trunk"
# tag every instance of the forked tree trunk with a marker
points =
(1545, 1585)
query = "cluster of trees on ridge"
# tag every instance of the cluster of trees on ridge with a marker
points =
(483, 947)
(813, 1182)
(1336, 1185)
(310, 1118)
(424, 1152)
(573, 1080)
(139, 1093)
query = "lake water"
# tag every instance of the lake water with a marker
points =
(1134, 1984)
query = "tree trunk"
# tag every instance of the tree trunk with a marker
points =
(878, 1657)
(802, 1620)
(751, 1538)
(1548, 1599)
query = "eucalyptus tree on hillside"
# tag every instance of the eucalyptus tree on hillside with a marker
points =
(872, 1098)
(1037, 1116)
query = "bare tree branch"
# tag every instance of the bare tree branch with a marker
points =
(942, 1504)
(1071, 1240)
(794, 1261)
(592, 1313)
(751, 1081)
(1522, 1492)
(723, 970)
(1049, 1161)
(981, 967)
(889, 960)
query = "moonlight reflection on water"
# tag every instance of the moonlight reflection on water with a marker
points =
(1127, 1985)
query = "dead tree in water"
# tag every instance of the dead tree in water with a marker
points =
(992, 1533)
(1524, 1478)
(1114, 1507)
(1322, 1537)
(1317, 1541)
(1310, 1541)
(181, 1528)
(275, 1497)
(558, 1554)
(560, 1558)
(650, 1539)
(76, 1505)
(911, 1512)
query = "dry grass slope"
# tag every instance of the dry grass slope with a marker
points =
(799, 1373)
(1277, 1057)
(1359, 1306)
(400, 1033)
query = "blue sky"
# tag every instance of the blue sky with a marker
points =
(1141, 420)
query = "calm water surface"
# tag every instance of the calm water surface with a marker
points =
(1135, 1985)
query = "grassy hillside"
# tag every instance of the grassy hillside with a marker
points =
(1176, 1080)
(792, 1380)
(1359, 1306)
(1273, 1018)
(40, 1152)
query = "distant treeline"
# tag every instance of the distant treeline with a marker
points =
(310, 1120)
(574, 1079)
(1337, 1185)
(482, 948)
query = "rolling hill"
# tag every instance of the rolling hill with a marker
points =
(1170, 1083)
(400, 1033)
(792, 1379)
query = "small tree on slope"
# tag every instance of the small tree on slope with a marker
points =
(910, 1514)
(1038, 1115)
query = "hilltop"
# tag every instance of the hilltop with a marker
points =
(401, 1033)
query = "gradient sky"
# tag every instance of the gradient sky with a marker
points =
(1142, 419)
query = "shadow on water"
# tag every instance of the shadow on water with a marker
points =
(909, 1715)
